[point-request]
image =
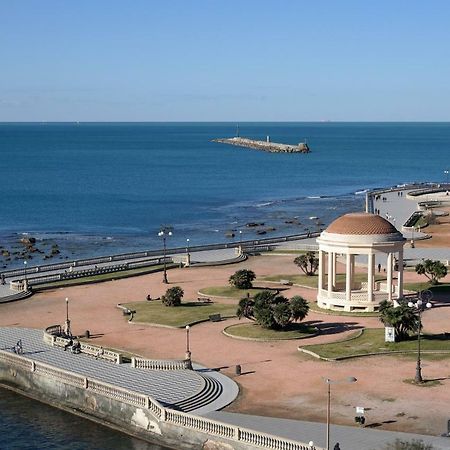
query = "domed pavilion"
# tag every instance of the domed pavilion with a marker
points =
(367, 237)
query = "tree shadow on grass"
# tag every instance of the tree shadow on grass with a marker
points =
(334, 327)
(194, 304)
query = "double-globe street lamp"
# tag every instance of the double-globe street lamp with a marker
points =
(329, 383)
(164, 233)
(422, 302)
(188, 348)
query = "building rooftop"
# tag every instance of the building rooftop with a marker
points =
(361, 224)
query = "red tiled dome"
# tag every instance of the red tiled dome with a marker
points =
(361, 224)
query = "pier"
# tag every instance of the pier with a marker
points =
(267, 145)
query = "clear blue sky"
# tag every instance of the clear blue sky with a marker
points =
(229, 60)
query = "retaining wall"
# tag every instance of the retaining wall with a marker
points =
(131, 412)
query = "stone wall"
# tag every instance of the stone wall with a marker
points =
(131, 412)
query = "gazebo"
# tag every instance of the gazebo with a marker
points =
(366, 237)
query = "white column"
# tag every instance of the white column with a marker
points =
(348, 277)
(334, 270)
(389, 276)
(353, 270)
(400, 274)
(370, 265)
(330, 273)
(320, 270)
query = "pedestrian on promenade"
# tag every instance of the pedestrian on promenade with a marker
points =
(379, 268)
(337, 447)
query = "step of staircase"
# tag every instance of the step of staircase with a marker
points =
(211, 391)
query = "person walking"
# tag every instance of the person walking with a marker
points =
(337, 447)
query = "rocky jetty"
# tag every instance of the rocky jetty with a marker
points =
(266, 145)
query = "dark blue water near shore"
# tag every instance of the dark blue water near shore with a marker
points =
(107, 188)
(30, 425)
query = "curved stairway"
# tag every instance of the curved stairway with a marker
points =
(211, 391)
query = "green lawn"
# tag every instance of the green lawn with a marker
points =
(372, 341)
(311, 281)
(438, 288)
(104, 277)
(178, 316)
(255, 331)
(229, 291)
(314, 307)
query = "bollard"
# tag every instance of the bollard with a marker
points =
(87, 334)
(238, 369)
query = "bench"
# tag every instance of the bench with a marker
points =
(286, 282)
(204, 299)
(215, 318)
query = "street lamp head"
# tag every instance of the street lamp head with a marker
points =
(419, 303)
(428, 305)
(67, 300)
(311, 444)
(169, 233)
(410, 304)
(187, 240)
(161, 233)
(187, 327)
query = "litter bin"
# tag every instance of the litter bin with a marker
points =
(238, 370)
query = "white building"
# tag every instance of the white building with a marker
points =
(347, 237)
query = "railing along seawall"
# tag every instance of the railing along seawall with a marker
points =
(185, 420)
(159, 364)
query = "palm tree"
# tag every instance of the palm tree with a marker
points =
(403, 318)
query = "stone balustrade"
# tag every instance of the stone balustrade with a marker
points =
(185, 420)
(159, 364)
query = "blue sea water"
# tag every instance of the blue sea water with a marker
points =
(30, 425)
(100, 188)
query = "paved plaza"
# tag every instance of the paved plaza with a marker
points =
(171, 388)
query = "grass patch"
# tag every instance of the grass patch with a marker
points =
(230, 291)
(372, 341)
(425, 383)
(422, 286)
(280, 251)
(177, 316)
(255, 331)
(311, 281)
(104, 277)
(313, 306)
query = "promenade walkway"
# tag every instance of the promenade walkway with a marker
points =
(174, 389)
(349, 438)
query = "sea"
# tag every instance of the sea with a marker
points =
(92, 189)
(89, 189)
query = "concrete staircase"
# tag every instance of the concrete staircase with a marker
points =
(211, 391)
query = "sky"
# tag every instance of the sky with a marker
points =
(229, 60)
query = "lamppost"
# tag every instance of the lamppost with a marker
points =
(188, 254)
(188, 348)
(329, 383)
(420, 306)
(163, 233)
(67, 324)
(25, 287)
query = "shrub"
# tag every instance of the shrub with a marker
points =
(173, 296)
(242, 279)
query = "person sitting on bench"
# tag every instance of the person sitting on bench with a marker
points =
(69, 344)
(76, 347)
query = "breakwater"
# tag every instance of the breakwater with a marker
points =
(267, 146)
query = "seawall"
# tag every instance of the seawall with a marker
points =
(129, 411)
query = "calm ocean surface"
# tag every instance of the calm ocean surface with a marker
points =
(98, 189)
(30, 425)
